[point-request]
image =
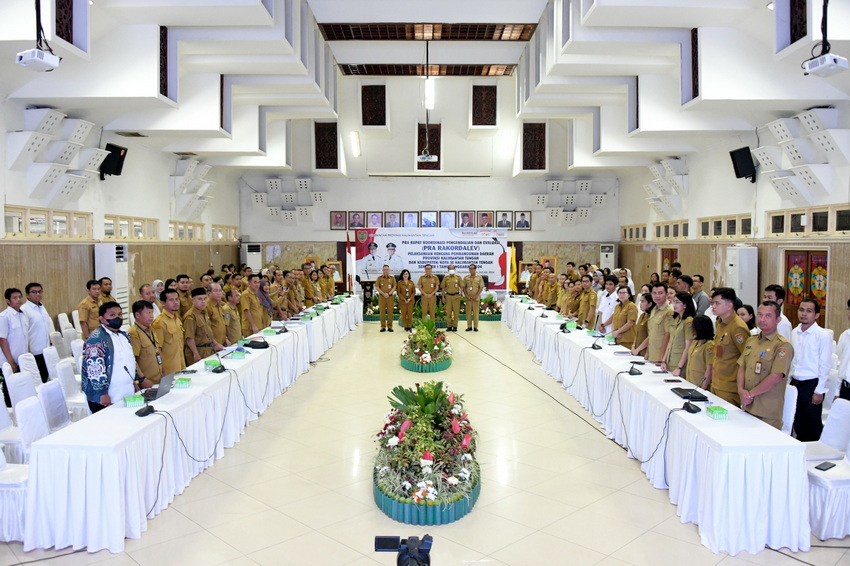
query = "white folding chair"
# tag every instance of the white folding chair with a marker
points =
(69, 335)
(32, 422)
(74, 397)
(7, 368)
(63, 321)
(829, 492)
(52, 400)
(75, 316)
(790, 409)
(20, 386)
(51, 358)
(13, 491)
(77, 353)
(835, 436)
(26, 364)
(10, 438)
(57, 342)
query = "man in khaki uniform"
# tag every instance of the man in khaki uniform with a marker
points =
(571, 273)
(143, 341)
(452, 286)
(250, 309)
(184, 286)
(763, 368)
(295, 305)
(656, 326)
(232, 318)
(88, 309)
(428, 285)
(532, 281)
(197, 333)
(329, 288)
(215, 314)
(385, 285)
(552, 291)
(473, 285)
(168, 333)
(105, 291)
(307, 285)
(587, 303)
(730, 337)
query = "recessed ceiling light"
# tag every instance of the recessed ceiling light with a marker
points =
(769, 6)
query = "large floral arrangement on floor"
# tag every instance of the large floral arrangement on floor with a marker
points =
(427, 447)
(426, 344)
(490, 306)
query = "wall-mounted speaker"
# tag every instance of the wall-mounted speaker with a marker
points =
(114, 162)
(742, 161)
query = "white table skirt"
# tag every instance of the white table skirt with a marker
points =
(93, 483)
(741, 481)
(12, 514)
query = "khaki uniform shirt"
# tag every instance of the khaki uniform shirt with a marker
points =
(250, 303)
(700, 356)
(451, 285)
(680, 332)
(406, 290)
(146, 352)
(764, 355)
(299, 292)
(573, 301)
(385, 284)
(326, 284)
(729, 342)
(307, 286)
(88, 309)
(656, 327)
(185, 302)
(197, 326)
(428, 284)
(641, 332)
(573, 276)
(552, 293)
(105, 298)
(234, 324)
(586, 300)
(218, 326)
(168, 333)
(623, 313)
(532, 282)
(472, 285)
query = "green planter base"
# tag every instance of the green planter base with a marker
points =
(425, 368)
(416, 514)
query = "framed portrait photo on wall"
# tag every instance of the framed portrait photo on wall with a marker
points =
(338, 220)
(392, 219)
(355, 220)
(522, 220)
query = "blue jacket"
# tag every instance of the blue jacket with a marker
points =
(98, 356)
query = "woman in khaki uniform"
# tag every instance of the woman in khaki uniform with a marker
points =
(641, 330)
(679, 328)
(406, 297)
(318, 296)
(701, 352)
(625, 316)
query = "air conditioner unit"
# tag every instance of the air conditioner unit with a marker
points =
(742, 272)
(252, 255)
(607, 256)
(111, 260)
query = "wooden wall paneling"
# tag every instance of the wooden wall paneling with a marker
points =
(62, 270)
(289, 255)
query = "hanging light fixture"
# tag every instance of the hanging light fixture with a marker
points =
(426, 156)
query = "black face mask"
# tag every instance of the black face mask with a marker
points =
(114, 323)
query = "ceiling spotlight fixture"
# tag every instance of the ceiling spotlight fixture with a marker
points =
(769, 6)
(425, 156)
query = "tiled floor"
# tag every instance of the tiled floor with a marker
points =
(297, 489)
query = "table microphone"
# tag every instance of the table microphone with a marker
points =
(635, 371)
(220, 367)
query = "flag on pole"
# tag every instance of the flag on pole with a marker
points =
(512, 280)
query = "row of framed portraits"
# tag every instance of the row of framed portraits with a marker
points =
(508, 219)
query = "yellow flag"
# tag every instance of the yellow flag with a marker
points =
(512, 280)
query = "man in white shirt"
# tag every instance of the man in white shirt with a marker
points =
(843, 353)
(13, 329)
(40, 327)
(810, 370)
(776, 293)
(606, 303)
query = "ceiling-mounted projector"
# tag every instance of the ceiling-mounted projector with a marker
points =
(825, 65)
(38, 60)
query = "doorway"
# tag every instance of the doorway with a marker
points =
(806, 277)
(669, 256)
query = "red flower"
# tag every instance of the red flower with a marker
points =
(405, 425)
(466, 441)
(401, 436)
(451, 398)
(427, 456)
(455, 426)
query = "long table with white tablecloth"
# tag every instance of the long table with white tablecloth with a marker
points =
(743, 482)
(99, 480)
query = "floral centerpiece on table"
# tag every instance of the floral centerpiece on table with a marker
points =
(427, 447)
(426, 344)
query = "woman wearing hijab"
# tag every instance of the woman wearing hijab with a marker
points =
(265, 302)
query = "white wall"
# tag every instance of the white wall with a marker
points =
(392, 150)
(143, 188)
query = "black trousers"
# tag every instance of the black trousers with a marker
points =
(95, 407)
(845, 390)
(808, 420)
(42, 367)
